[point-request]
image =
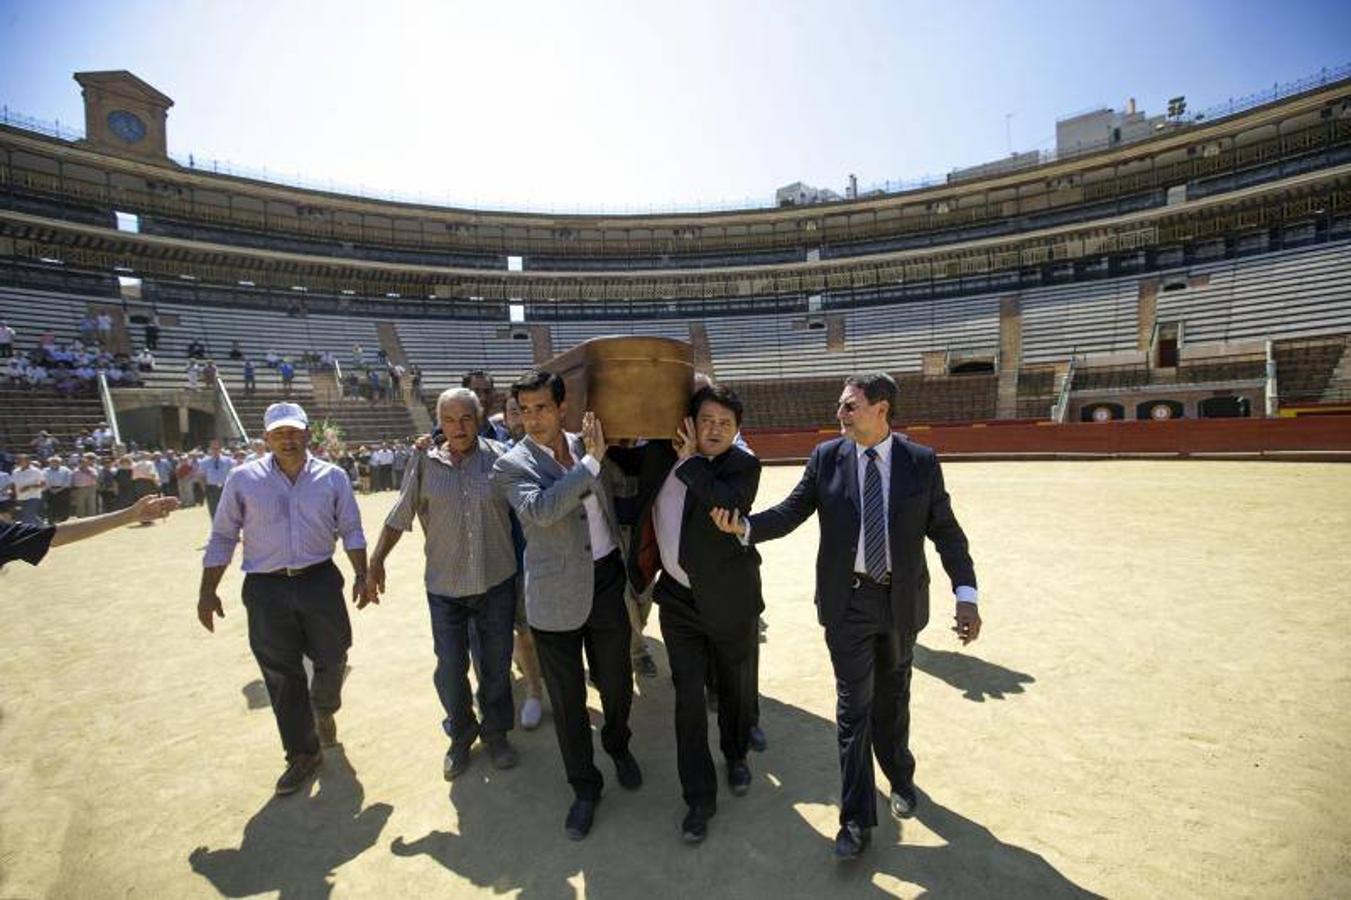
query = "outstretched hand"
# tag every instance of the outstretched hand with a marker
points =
(685, 445)
(153, 506)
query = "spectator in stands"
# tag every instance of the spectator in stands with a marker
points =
(358, 356)
(56, 493)
(152, 332)
(6, 496)
(481, 383)
(193, 373)
(415, 376)
(89, 329)
(103, 436)
(145, 360)
(107, 486)
(215, 469)
(6, 340)
(273, 359)
(29, 483)
(44, 445)
(105, 323)
(84, 482)
(209, 373)
(235, 351)
(17, 369)
(37, 375)
(188, 474)
(396, 373)
(126, 490)
(164, 469)
(31, 542)
(287, 373)
(250, 377)
(400, 462)
(377, 385)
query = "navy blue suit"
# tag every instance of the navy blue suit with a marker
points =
(871, 631)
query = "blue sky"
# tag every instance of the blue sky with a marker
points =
(631, 106)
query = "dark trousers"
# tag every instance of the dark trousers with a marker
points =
(289, 619)
(604, 637)
(491, 616)
(872, 661)
(58, 506)
(212, 498)
(753, 681)
(691, 652)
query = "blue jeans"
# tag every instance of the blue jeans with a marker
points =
(492, 615)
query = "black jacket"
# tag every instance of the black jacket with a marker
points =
(724, 575)
(917, 507)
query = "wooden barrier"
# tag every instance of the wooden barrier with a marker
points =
(1305, 437)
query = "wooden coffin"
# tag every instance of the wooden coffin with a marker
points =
(636, 386)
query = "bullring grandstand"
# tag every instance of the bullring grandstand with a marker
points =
(1140, 289)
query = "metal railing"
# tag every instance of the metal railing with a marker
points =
(1232, 107)
(1062, 401)
(109, 410)
(228, 406)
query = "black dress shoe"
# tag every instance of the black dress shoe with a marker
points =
(759, 743)
(581, 815)
(627, 771)
(903, 802)
(738, 776)
(851, 841)
(695, 827)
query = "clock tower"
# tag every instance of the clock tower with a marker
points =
(124, 115)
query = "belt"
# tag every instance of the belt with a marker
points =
(296, 573)
(867, 581)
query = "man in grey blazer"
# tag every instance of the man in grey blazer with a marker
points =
(574, 585)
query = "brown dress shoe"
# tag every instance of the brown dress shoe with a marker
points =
(297, 773)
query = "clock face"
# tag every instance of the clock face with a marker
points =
(126, 125)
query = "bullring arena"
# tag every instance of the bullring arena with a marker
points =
(1158, 707)
(1132, 354)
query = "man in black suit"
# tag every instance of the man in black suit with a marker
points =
(878, 496)
(708, 591)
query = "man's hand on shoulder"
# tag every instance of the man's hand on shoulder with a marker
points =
(967, 622)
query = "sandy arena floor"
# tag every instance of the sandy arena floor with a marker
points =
(1160, 706)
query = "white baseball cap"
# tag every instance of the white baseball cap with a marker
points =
(285, 415)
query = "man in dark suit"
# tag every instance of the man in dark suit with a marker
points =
(878, 496)
(709, 589)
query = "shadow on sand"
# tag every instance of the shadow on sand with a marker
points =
(760, 845)
(293, 844)
(974, 677)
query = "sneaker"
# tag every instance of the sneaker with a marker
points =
(759, 743)
(297, 773)
(738, 776)
(644, 666)
(457, 759)
(627, 771)
(326, 728)
(531, 713)
(502, 754)
(695, 827)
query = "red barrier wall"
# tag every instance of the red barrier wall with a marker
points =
(1183, 437)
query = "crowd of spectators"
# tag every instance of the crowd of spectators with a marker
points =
(71, 368)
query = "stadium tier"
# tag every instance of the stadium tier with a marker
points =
(1205, 271)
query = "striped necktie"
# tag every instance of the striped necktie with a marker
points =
(874, 519)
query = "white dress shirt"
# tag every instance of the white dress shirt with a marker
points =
(964, 593)
(602, 542)
(668, 510)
